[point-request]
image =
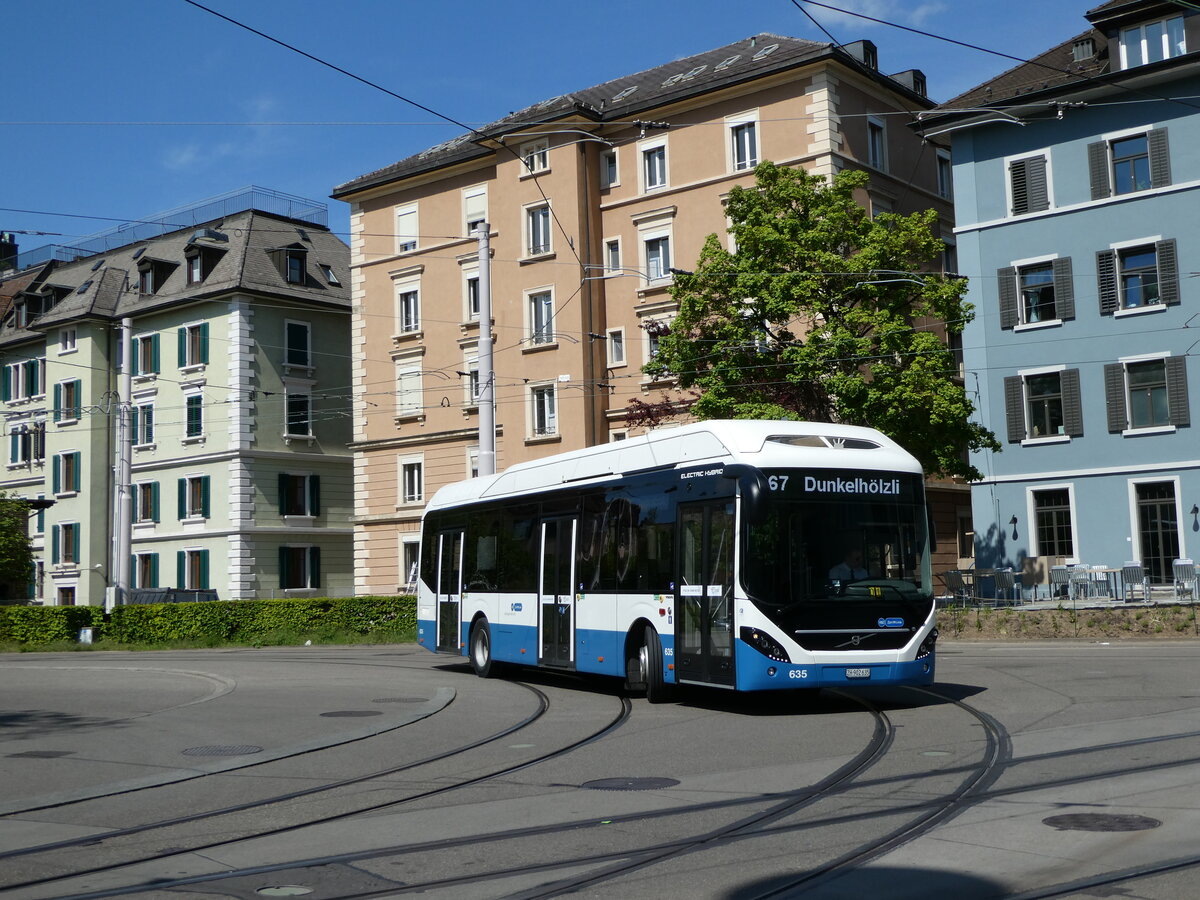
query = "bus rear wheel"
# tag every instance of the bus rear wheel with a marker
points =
(481, 650)
(650, 668)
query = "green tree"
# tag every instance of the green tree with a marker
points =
(16, 555)
(822, 315)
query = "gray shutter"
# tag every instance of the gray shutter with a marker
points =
(1160, 158)
(1106, 281)
(1064, 289)
(1168, 272)
(1014, 407)
(1072, 405)
(1114, 395)
(1039, 194)
(1098, 170)
(1006, 280)
(1018, 173)
(1177, 392)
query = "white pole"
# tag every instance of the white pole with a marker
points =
(123, 538)
(487, 377)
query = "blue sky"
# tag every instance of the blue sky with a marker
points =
(118, 109)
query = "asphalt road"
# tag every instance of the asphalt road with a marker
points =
(1042, 769)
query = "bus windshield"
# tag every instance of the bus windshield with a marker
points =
(817, 546)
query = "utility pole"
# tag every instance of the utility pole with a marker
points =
(487, 377)
(122, 543)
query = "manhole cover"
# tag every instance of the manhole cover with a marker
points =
(223, 750)
(284, 890)
(351, 713)
(1101, 822)
(400, 700)
(41, 754)
(629, 784)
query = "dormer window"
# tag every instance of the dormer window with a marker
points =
(200, 262)
(1152, 42)
(153, 274)
(292, 263)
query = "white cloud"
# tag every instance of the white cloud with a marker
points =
(239, 143)
(903, 12)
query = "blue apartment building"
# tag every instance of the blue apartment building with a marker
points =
(1077, 197)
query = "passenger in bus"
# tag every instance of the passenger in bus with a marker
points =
(851, 568)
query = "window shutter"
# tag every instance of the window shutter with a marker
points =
(54, 545)
(1072, 406)
(57, 401)
(1098, 170)
(154, 356)
(75, 471)
(133, 424)
(56, 474)
(283, 577)
(205, 496)
(14, 447)
(314, 567)
(154, 503)
(1114, 395)
(204, 342)
(1006, 280)
(133, 572)
(183, 359)
(283, 492)
(77, 409)
(181, 569)
(1014, 407)
(1106, 281)
(1064, 289)
(134, 359)
(1019, 178)
(1177, 391)
(7, 389)
(203, 557)
(1168, 272)
(1160, 158)
(153, 569)
(183, 510)
(1039, 193)
(314, 495)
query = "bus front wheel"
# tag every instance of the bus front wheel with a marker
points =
(481, 650)
(650, 667)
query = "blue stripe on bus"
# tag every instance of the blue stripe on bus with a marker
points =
(509, 640)
(753, 673)
(601, 652)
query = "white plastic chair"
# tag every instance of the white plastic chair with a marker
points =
(1184, 571)
(1081, 581)
(1133, 577)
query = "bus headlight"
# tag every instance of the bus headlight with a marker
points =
(926, 648)
(764, 644)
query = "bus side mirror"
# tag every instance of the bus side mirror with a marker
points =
(753, 487)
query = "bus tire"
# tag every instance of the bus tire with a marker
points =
(650, 667)
(481, 650)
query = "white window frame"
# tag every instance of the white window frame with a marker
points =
(144, 489)
(647, 147)
(1008, 187)
(1028, 263)
(470, 375)
(403, 287)
(532, 214)
(474, 208)
(649, 341)
(1150, 243)
(469, 314)
(535, 157)
(191, 561)
(538, 409)
(291, 393)
(1025, 375)
(1031, 516)
(945, 174)
(408, 231)
(143, 437)
(306, 366)
(732, 126)
(409, 549)
(188, 401)
(1134, 530)
(67, 339)
(605, 180)
(877, 156)
(656, 236)
(410, 478)
(472, 454)
(1131, 429)
(409, 391)
(616, 338)
(610, 244)
(532, 336)
(1165, 49)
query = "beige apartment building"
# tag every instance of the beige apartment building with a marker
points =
(591, 199)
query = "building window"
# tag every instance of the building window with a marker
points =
(537, 229)
(608, 169)
(299, 415)
(145, 570)
(541, 317)
(654, 167)
(145, 354)
(877, 143)
(195, 269)
(142, 424)
(1052, 521)
(475, 207)
(66, 340)
(1029, 185)
(193, 416)
(299, 495)
(544, 415)
(195, 497)
(66, 596)
(410, 554)
(297, 344)
(406, 228)
(1147, 393)
(616, 347)
(412, 481)
(1042, 405)
(470, 375)
(24, 380)
(146, 502)
(945, 175)
(65, 471)
(1037, 292)
(299, 568)
(535, 156)
(1129, 163)
(27, 444)
(612, 255)
(408, 392)
(656, 330)
(68, 401)
(330, 275)
(658, 257)
(1137, 277)
(743, 138)
(409, 309)
(1152, 42)
(191, 570)
(64, 541)
(471, 298)
(193, 345)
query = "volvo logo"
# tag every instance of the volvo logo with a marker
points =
(855, 640)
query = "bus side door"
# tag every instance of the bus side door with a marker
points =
(704, 593)
(556, 591)
(449, 590)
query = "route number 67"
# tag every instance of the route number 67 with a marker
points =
(778, 482)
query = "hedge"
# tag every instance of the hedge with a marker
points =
(240, 621)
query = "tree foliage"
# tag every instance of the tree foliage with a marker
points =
(16, 555)
(819, 315)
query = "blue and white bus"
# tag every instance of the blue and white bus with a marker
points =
(747, 555)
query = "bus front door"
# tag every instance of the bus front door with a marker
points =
(449, 590)
(557, 593)
(704, 593)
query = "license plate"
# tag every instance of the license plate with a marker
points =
(858, 673)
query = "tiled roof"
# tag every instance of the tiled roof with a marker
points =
(632, 95)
